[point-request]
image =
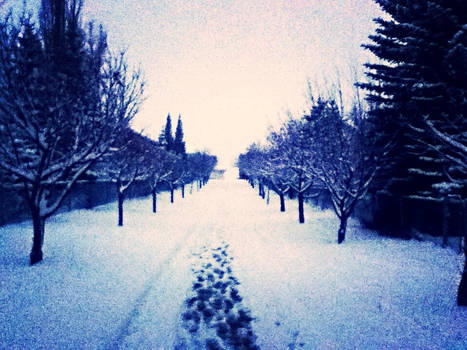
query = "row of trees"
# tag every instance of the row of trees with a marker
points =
(322, 151)
(63, 100)
(66, 103)
(414, 136)
(134, 157)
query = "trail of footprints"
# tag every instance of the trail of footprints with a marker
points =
(215, 318)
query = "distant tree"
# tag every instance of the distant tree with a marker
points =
(250, 164)
(187, 175)
(275, 169)
(52, 17)
(209, 164)
(175, 175)
(179, 144)
(196, 165)
(55, 124)
(202, 165)
(168, 137)
(293, 141)
(127, 161)
(161, 167)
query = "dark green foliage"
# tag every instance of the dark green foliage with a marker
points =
(228, 305)
(421, 77)
(200, 305)
(179, 144)
(208, 314)
(419, 97)
(166, 137)
(212, 344)
(222, 329)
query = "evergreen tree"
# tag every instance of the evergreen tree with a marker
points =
(179, 144)
(168, 136)
(52, 23)
(418, 77)
(419, 95)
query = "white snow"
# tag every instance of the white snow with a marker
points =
(101, 286)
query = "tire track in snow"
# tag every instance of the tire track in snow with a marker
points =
(141, 300)
(155, 322)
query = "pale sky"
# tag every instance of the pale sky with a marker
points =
(231, 68)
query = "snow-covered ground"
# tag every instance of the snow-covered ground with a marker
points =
(200, 269)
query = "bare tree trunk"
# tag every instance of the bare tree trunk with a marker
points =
(183, 191)
(154, 200)
(268, 196)
(171, 194)
(462, 291)
(120, 208)
(445, 222)
(38, 237)
(191, 188)
(402, 231)
(301, 214)
(342, 229)
(281, 196)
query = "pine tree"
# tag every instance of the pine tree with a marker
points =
(179, 144)
(412, 82)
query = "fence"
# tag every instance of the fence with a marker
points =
(403, 217)
(84, 195)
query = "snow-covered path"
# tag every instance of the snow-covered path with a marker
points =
(105, 287)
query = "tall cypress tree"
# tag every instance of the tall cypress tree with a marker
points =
(169, 140)
(414, 81)
(179, 144)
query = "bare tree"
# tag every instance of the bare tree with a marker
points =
(175, 175)
(344, 160)
(275, 169)
(294, 143)
(161, 167)
(50, 132)
(127, 161)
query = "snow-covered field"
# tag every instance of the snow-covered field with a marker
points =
(200, 269)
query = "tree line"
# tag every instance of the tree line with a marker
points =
(66, 102)
(407, 141)
(135, 157)
(324, 150)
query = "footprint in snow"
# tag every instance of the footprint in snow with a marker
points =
(216, 306)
